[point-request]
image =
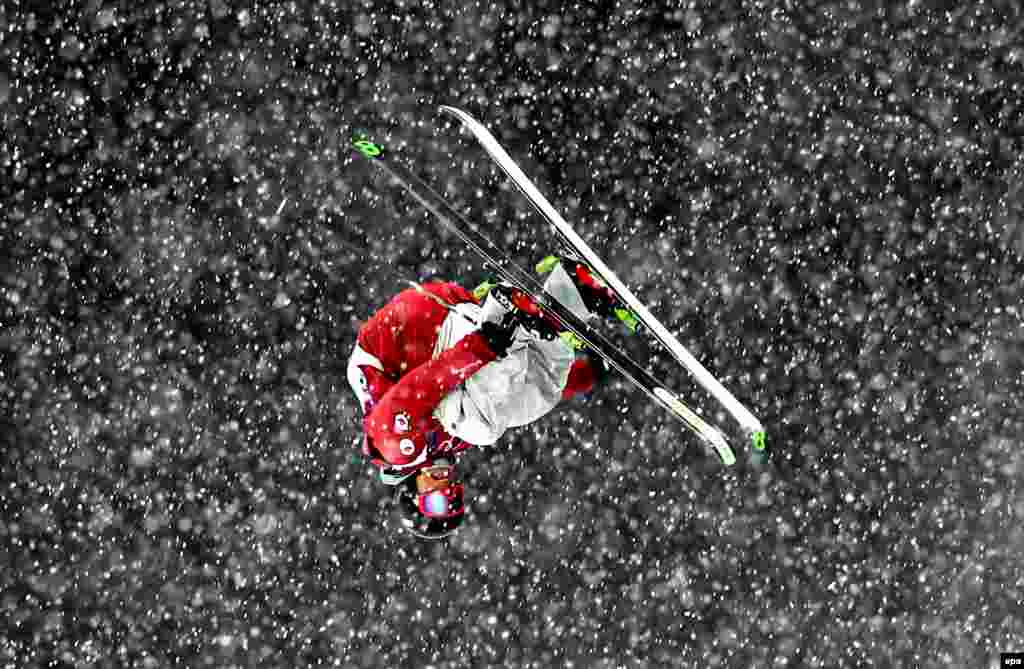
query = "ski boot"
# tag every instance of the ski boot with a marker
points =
(512, 307)
(570, 338)
(598, 297)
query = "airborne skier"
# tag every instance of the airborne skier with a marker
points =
(510, 355)
(436, 372)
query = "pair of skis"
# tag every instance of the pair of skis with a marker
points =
(509, 271)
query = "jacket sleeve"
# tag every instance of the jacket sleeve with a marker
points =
(398, 424)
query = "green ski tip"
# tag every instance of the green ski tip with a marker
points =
(758, 440)
(367, 148)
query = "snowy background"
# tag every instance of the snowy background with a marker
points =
(825, 204)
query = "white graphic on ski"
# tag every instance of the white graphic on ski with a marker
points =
(748, 422)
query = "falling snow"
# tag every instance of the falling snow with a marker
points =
(826, 206)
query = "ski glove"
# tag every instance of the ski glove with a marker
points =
(499, 336)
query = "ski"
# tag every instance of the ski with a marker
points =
(509, 271)
(748, 422)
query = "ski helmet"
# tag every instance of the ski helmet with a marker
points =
(432, 502)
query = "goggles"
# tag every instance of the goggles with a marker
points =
(443, 503)
(444, 500)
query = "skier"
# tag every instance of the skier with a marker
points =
(437, 372)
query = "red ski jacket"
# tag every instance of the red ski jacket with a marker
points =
(400, 383)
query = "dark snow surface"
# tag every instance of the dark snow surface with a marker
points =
(825, 204)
